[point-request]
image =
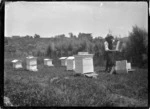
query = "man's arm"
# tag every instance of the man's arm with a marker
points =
(106, 46)
(107, 49)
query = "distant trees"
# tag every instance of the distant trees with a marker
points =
(98, 50)
(64, 46)
(137, 46)
(16, 36)
(10, 49)
(6, 41)
(51, 50)
(87, 36)
(36, 36)
(28, 36)
(72, 36)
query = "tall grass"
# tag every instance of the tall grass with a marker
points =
(26, 88)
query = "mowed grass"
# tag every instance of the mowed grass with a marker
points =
(54, 86)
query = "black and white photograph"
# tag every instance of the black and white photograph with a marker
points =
(76, 53)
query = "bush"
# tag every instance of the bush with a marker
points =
(137, 46)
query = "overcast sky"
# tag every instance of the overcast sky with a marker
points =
(53, 18)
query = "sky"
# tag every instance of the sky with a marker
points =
(53, 18)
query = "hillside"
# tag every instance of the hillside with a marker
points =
(54, 86)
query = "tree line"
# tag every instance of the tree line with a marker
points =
(135, 47)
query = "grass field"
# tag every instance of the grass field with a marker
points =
(54, 86)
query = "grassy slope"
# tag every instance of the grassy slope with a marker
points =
(37, 88)
(25, 88)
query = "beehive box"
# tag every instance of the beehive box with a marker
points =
(63, 61)
(48, 62)
(122, 66)
(70, 63)
(17, 64)
(128, 66)
(84, 63)
(31, 63)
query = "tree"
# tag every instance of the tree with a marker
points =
(6, 41)
(36, 36)
(86, 36)
(136, 46)
(48, 52)
(71, 35)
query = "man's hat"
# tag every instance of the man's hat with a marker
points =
(109, 37)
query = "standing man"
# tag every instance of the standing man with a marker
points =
(110, 61)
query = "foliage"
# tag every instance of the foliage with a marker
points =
(6, 41)
(36, 36)
(137, 46)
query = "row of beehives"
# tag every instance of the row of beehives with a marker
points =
(84, 64)
(31, 63)
(81, 63)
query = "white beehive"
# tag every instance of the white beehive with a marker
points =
(84, 63)
(128, 66)
(48, 62)
(17, 64)
(122, 66)
(70, 63)
(31, 63)
(63, 61)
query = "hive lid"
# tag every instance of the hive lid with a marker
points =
(86, 55)
(83, 53)
(70, 57)
(47, 59)
(30, 57)
(15, 60)
(63, 58)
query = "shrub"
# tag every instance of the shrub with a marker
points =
(137, 45)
